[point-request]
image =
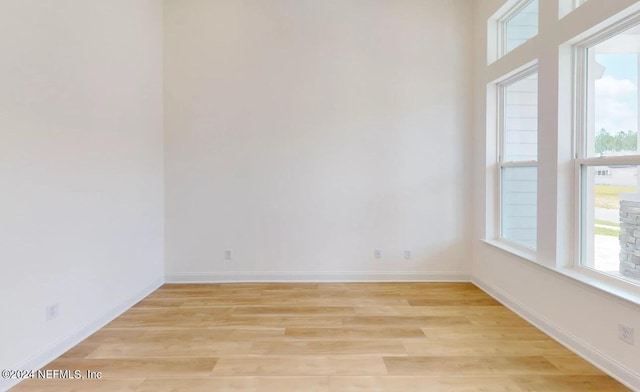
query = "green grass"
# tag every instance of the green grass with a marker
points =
(607, 223)
(608, 196)
(606, 231)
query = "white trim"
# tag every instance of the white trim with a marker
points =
(519, 74)
(519, 164)
(632, 159)
(580, 101)
(523, 252)
(611, 31)
(502, 25)
(516, 74)
(579, 222)
(568, 6)
(626, 376)
(609, 288)
(611, 284)
(297, 276)
(59, 347)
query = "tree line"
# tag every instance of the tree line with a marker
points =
(621, 141)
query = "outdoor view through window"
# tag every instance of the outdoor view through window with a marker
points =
(610, 170)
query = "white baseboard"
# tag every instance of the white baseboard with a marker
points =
(315, 277)
(626, 376)
(61, 346)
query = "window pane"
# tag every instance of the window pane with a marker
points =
(521, 26)
(521, 120)
(519, 205)
(612, 95)
(611, 220)
(566, 6)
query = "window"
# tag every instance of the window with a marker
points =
(608, 154)
(566, 6)
(517, 161)
(562, 174)
(518, 25)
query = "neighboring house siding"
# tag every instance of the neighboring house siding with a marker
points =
(617, 176)
(519, 203)
(522, 26)
(521, 120)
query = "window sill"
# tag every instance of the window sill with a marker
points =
(522, 252)
(595, 281)
(621, 289)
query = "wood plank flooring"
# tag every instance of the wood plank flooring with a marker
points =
(368, 337)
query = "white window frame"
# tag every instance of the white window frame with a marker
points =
(502, 25)
(568, 6)
(581, 159)
(501, 164)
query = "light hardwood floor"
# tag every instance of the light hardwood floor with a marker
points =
(366, 337)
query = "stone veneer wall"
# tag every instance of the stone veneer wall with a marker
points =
(630, 238)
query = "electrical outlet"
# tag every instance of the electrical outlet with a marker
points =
(51, 312)
(625, 333)
(227, 255)
(377, 254)
(407, 255)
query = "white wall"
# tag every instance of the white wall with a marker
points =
(583, 317)
(81, 171)
(302, 135)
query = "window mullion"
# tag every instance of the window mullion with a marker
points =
(610, 161)
(519, 164)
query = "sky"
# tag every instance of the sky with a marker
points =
(616, 94)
